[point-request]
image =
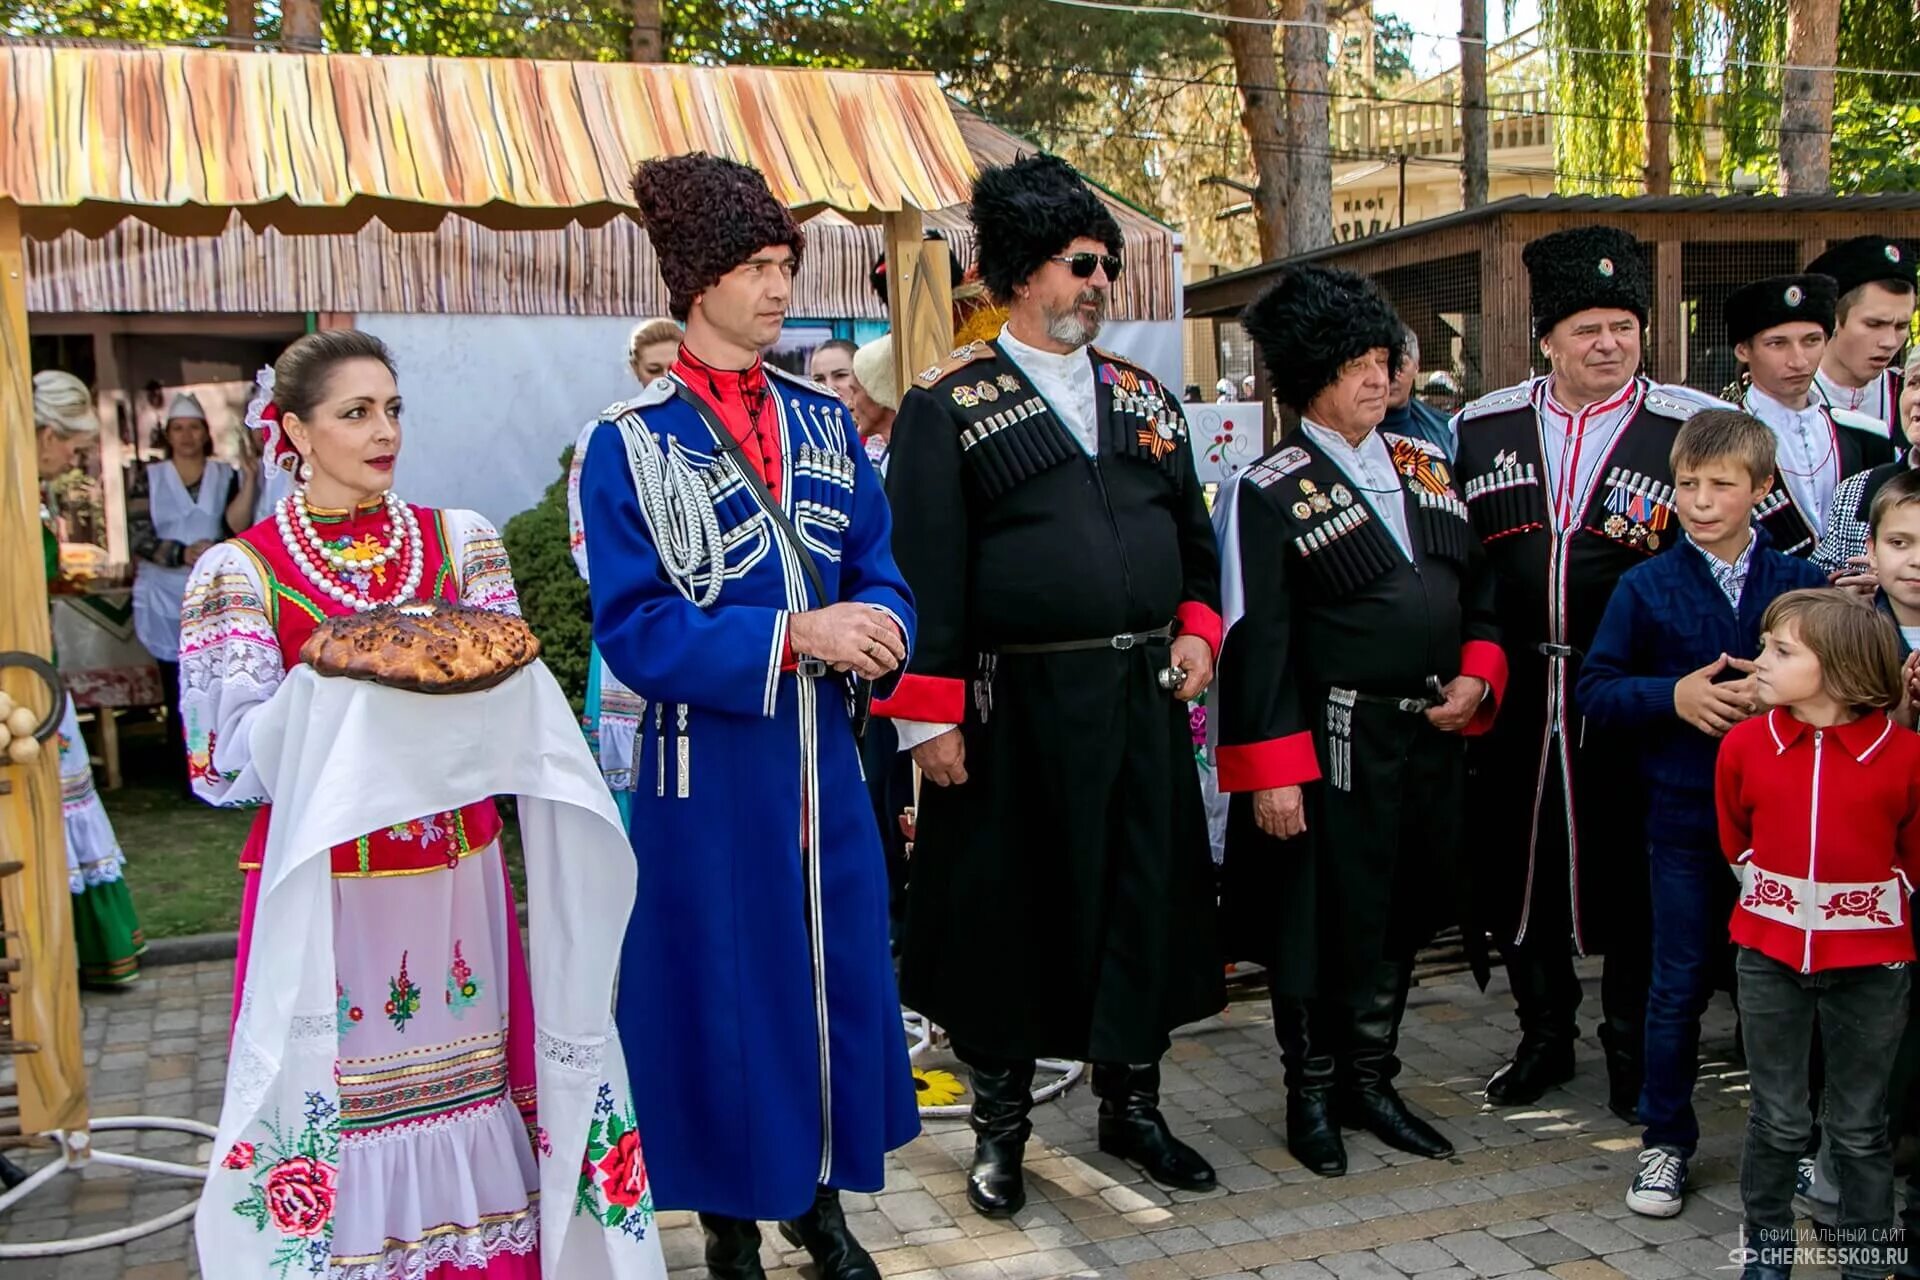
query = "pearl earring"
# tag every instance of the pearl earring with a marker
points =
(306, 472)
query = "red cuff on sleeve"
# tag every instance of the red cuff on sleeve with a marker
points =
(1277, 762)
(1488, 661)
(789, 660)
(1195, 619)
(932, 699)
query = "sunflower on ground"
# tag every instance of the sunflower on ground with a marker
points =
(937, 1088)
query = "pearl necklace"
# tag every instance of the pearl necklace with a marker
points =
(403, 520)
(368, 560)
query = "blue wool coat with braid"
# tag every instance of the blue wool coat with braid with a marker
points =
(757, 1002)
(1668, 618)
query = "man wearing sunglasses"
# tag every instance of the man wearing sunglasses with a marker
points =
(1049, 521)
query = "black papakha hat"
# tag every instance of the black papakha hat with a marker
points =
(1311, 321)
(1755, 308)
(1868, 260)
(1030, 210)
(1582, 268)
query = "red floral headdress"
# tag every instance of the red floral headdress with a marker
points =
(263, 416)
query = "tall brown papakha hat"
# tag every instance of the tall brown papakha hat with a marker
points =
(705, 216)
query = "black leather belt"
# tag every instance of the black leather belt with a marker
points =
(1120, 643)
(1412, 706)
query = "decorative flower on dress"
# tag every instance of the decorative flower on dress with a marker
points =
(348, 1013)
(463, 989)
(936, 1088)
(300, 1196)
(1765, 892)
(294, 1189)
(614, 1190)
(422, 831)
(403, 997)
(1859, 903)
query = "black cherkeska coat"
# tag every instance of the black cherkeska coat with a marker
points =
(1335, 637)
(1061, 900)
(1552, 587)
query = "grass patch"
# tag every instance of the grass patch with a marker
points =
(183, 857)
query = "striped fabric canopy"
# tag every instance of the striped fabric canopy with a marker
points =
(178, 137)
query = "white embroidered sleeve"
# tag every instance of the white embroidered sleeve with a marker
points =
(230, 666)
(480, 559)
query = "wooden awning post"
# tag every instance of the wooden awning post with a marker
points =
(35, 902)
(919, 296)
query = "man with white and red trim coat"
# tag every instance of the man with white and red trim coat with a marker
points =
(1066, 578)
(1779, 327)
(1567, 480)
(1361, 647)
(1860, 370)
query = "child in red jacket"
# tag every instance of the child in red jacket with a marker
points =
(1819, 806)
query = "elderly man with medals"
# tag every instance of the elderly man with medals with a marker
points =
(1567, 480)
(1049, 520)
(741, 580)
(1362, 651)
(1779, 328)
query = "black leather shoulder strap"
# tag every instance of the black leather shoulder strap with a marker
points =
(760, 492)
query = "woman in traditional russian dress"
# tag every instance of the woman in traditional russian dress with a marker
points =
(435, 1170)
(106, 928)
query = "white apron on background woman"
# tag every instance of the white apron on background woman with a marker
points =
(177, 517)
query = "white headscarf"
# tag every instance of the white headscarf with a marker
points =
(62, 404)
(873, 369)
(186, 405)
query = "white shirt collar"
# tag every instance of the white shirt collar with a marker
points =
(1333, 439)
(1034, 360)
(1763, 400)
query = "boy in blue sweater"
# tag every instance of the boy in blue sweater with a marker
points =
(1671, 661)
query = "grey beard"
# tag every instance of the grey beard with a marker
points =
(1068, 329)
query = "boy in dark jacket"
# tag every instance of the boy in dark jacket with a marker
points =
(1671, 662)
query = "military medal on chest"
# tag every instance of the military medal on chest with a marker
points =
(1639, 509)
(1156, 426)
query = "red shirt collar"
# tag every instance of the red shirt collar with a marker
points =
(1607, 405)
(1859, 738)
(748, 385)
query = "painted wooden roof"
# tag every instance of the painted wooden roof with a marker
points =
(320, 142)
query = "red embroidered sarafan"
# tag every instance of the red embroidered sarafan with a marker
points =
(296, 608)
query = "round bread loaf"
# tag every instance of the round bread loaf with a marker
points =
(426, 647)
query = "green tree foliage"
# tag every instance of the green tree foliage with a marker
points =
(1876, 146)
(553, 598)
(141, 20)
(1600, 138)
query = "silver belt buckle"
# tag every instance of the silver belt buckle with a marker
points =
(1556, 650)
(1125, 642)
(814, 668)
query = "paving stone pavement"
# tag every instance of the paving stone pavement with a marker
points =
(1532, 1193)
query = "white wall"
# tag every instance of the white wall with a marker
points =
(1152, 344)
(492, 400)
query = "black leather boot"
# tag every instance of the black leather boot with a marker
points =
(1545, 994)
(1312, 1135)
(1622, 1043)
(1132, 1127)
(1002, 1097)
(822, 1232)
(733, 1248)
(1365, 1097)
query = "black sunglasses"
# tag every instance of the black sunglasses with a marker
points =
(1082, 264)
